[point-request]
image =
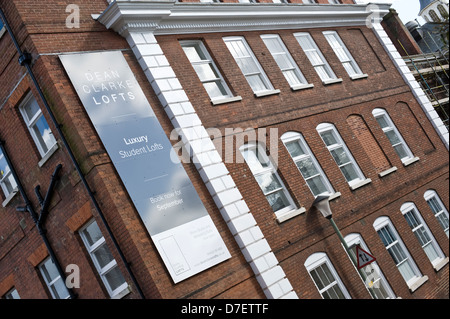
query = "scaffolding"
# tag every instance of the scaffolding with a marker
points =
(431, 71)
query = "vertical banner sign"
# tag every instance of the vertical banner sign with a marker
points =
(167, 202)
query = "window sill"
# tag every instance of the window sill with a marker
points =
(266, 93)
(122, 293)
(387, 172)
(360, 184)
(10, 197)
(334, 196)
(439, 265)
(359, 76)
(48, 155)
(417, 283)
(301, 87)
(291, 214)
(410, 161)
(332, 81)
(226, 100)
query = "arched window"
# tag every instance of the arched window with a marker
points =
(307, 164)
(422, 233)
(267, 177)
(341, 154)
(394, 136)
(325, 277)
(434, 16)
(397, 250)
(375, 279)
(442, 11)
(438, 208)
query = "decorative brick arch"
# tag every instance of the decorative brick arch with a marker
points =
(364, 136)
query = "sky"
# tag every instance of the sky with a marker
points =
(407, 9)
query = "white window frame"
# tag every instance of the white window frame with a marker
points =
(334, 2)
(327, 76)
(315, 261)
(290, 137)
(32, 122)
(298, 80)
(422, 232)
(310, 1)
(355, 239)
(381, 113)
(268, 88)
(120, 291)
(344, 55)
(12, 294)
(384, 223)
(270, 169)
(2, 30)
(438, 208)
(50, 282)
(7, 176)
(219, 80)
(360, 180)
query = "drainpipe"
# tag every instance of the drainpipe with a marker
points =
(38, 220)
(25, 60)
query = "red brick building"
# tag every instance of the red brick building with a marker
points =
(276, 103)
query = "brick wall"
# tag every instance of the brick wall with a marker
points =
(348, 105)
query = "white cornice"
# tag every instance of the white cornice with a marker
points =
(170, 17)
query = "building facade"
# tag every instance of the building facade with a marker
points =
(267, 106)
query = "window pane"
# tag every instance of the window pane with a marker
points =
(49, 270)
(340, 156)
(307, 167)
(256, 83)
(294, 149)
(59, 290)
(283, 61)
(92, 233)
(291, 77)
(215, 89)
(400, 150)
(337, 292)
(328, 138)
(273, 45)
(317, 186)
(9, 183)
(406, 271)
(431, 252)
(205, 72)
(44, 134)
(386, 236)
(278, 200)
(254, 160)
(31, 109)
(268, 182)
(349, 68)
(193, 53)
(434, 205)
(4, 168)
(103, 256)
(114, 278)
(349, 172)
(382, 121)
(393, 138)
